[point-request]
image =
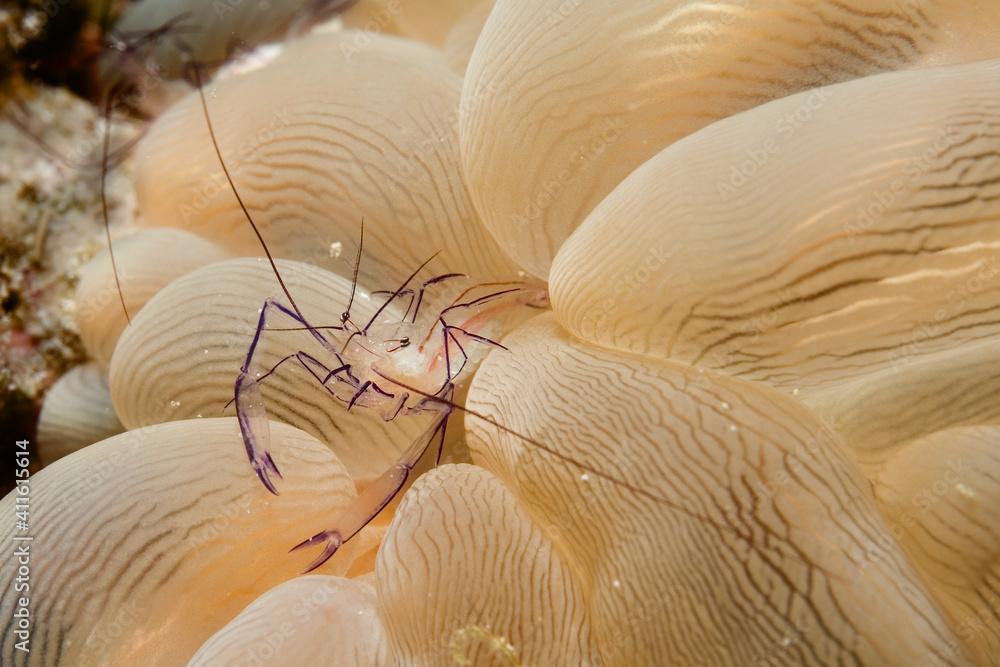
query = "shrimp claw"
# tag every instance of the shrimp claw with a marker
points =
(255, 429)
(333, 542)
(373, 499)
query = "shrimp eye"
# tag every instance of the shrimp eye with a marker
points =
(400, 343)
(344, 317)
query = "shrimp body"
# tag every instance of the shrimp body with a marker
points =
(397, 366)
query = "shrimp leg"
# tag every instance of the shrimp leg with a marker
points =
(378, 495)
(251, 412)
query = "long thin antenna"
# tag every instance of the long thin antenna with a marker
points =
(566, 458)
(399, 290)
(357, 267)
(108, 106)
(239, 199)
(115, 157)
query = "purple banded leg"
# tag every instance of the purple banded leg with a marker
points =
(255, 429)
(252, 414)
(448, 395)
(404, 293)
(374, 499)
(368, 385)
(270, 304)
(418, 296)
(450, 328)
(263, 377)
(427, 283)
(358, 394)
(400, 404)
(477, 337)
(306, 359)
(465, 357)
(312, 364)
(448, 331)
(480, 300)
(250, 409)
(449, 376)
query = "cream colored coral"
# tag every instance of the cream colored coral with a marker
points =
(941, 497)
(312, 619)
(344, 134)
(698, 496)
(146, 261)
(878, 414)
(578, 94)
(856, 239)
(77, 411)
(148, 542)
(515, 601)
(426, 20)
(634, 501)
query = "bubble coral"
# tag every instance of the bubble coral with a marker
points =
(757, 426)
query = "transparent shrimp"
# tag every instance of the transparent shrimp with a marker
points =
(382, 366)
(364, 369)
